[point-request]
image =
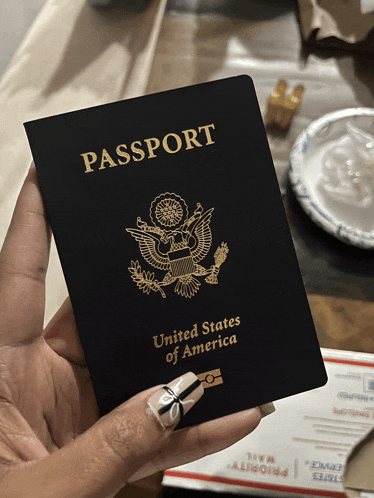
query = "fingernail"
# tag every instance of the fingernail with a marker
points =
(174, 400)
(267, 409)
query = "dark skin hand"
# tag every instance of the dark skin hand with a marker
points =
(51, 440)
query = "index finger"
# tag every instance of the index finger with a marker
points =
(23, 266)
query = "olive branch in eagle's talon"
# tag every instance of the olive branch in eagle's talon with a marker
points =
(144, 279)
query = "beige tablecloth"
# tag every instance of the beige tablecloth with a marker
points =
(72, 57)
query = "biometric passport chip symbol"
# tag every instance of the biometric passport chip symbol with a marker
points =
(211, 378)
(176, 243)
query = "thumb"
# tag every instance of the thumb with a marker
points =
(100, 461)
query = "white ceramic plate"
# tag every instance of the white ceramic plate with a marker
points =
(348, 222)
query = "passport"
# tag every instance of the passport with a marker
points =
(175, 247)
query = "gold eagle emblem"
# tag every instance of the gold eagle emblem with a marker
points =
(176, 243)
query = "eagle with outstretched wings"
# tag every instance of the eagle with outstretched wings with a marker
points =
(176, 244)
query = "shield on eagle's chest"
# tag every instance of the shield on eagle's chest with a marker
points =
(181, 262)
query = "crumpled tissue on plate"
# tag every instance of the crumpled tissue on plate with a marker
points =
(347, 174)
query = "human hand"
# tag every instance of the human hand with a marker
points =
(52, 443)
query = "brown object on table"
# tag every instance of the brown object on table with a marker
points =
(358, 474)
(281, 109)
(275, 103)
(290, 106)
(320, 20)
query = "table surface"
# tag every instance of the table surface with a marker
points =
(212, 39)
(215, 39)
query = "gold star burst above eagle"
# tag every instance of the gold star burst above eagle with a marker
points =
(175, 243)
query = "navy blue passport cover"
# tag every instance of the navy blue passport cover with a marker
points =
(175, 247)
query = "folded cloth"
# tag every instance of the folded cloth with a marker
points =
(349, 20)
(74, 56)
